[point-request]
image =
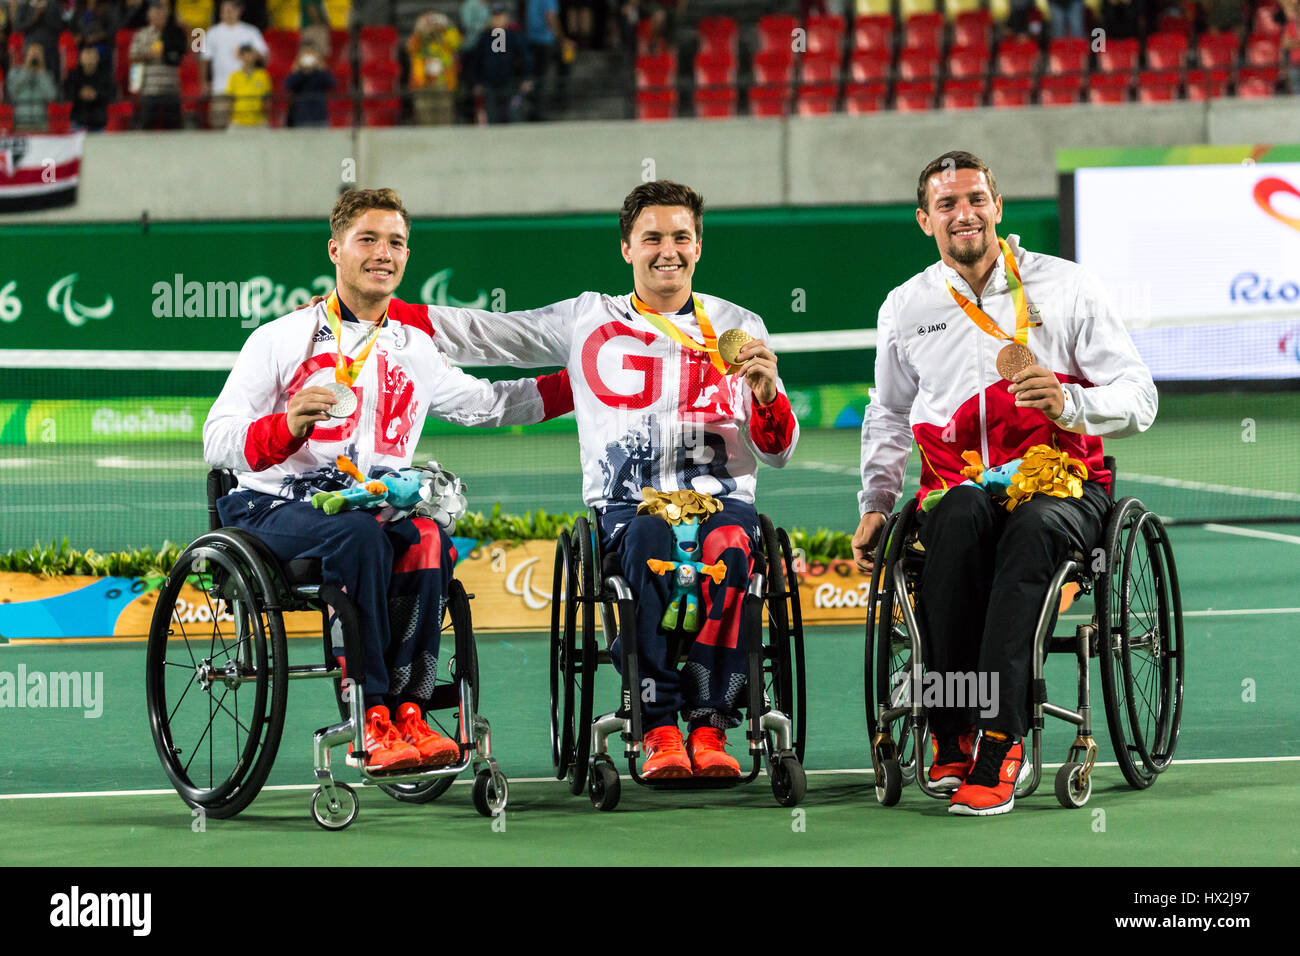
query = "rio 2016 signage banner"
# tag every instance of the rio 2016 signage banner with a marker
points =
(1200, 249)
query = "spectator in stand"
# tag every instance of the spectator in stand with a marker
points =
(1291, 43)
(220, 51)
(90, 88)
(41, 22)
(95, 21)
(474, 16)
(1122, 20)
(248, 89)
(1220, 16)
(499, 69)
(432, 49)
(135, 14)
(1067, 17)
(31, 89)
(586, 22)
(155, 53)
(316, 28)
(1266, 17)
(309, 84)
(546, 41)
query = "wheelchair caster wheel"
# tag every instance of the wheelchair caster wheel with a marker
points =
(789, 782)
(1068, 789)
(490, 793)
(889, 783)
(604, 787)
(336, 814)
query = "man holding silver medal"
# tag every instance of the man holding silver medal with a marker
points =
(993, 354)
(342, 389)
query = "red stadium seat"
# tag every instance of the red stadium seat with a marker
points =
(776, 32)
(1256, 82)
(122, 58)
(714, 69)
(973, 28)
(718, 36)
(1158, 86)
(715, 102)
(918, 64)
(966, 62)
(1166, 51)
(342, 71)
(924, 30)
(6, 118)
(120, 116)
(865, 97)
(820, 68)
(656, 71)
(1118, 56)
(1017, 58)
(1011, 92)
(1174, 23)
(773, 67)
(816, 99)
(1067, 55)
(67, 53)
(377, 44)
(866, 65)
(341, 112)
(379, 78)
(1217, 51)
(875, 33)
(16, 43)
(282, 48)
(913, 96)
(826, 36)
(1206, 84)
(1262, 51)
(383, 111)
(1058, 89)
(340, 48)
(656, 104)
(192, 107)
(645, 37)
(962, 94)
(58, 117)
(1106, 89)
(769, 100)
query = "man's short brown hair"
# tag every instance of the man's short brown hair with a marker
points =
(663, 193)
(354, 203)
(951, 161)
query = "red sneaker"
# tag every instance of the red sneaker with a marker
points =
(435, 749)
(990, 787)
(665, 758)
(385, 749)
(950, 760)
(709, 758)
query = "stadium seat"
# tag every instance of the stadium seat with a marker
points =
(656, 104)
(377, 44)
(381, 111)
(874, 33)
(1106, 89)
(715, 69)
(973, 29)
(1217, 51)
(1155, 86)
(820, 68)
(645, 37)
(873, 8)
(1017, 58)
(58, 117)
(1206, 84)
(16, 43)
(867, 65)
(120, 116)
(1010, 92)
(913, 96)
(918, 64)
(865, 97)
(1067, 55)
(193, 109)
(282, 49)
(340, 47)
(908, 8)
(342, 71)
(923, 31)
(816, 99)
(1174, 23)
(715, 102)
(67, 54)
(962, 94)
(1166, 51)
(379, 78)
(1057, 89)
(122, 58)
(952, 9)
(968, 62)
(1263, 51)
(1256, 82)
(826, 36)
(718, 36)
(341, 112)
(776, 32)
(773, 67)
(769, 100)
(1118, 56)
(6, 118)
(656, 71)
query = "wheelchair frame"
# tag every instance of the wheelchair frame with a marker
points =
(252, 588)
(775, 713)
(894, 647)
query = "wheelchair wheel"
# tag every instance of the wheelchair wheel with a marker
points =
(573, 655)
(784, 660)
(336, 815)
(1140, 615)
(216, 680)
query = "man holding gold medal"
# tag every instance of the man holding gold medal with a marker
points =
(991, 355)
(354, 377)
(675, 392)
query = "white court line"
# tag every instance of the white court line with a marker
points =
(1252, 533)
(144, 464)
(1212, 612)
(514, 780)
(1125, 476)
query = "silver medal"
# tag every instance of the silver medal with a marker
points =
(345, 401)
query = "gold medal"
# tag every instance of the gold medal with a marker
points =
(729, 345)
(1014, 359)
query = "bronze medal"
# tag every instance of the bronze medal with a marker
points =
(1014, 359)
(729, 345)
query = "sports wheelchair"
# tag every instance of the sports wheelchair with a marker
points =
(775, 709)
(1136, 631)
(217, 681)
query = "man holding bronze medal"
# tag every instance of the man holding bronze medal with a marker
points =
(991, 355)
(675, 394)
(353, 377)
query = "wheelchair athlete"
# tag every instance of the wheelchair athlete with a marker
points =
(991, 351)
(348, 377)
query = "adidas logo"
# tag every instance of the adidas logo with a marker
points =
(323, 335)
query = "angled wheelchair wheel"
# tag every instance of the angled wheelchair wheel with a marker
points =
(573, 656)
(783, 660)
(1139, 611)
(216, 680)
(888, 669)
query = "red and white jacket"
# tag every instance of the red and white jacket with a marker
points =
(937, 382)
(651, 413)
(404, 379)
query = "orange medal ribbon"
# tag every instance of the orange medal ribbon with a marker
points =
(1017, 287)
(342, 373)
(710, 344)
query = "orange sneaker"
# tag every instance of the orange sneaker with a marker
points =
(990, 787)
(435, 749)
(950, 760)
(385, 749)
(665, 757)
(709, 757)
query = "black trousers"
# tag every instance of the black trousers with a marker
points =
(986, 574)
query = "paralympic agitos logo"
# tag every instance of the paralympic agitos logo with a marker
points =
(1251, 287)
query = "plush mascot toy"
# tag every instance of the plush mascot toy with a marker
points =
(430, 491)
(1043, 470)
(683, 510)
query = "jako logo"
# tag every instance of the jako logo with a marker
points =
(102, 909)
(927, 329)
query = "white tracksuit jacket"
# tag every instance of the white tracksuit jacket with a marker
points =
(937, 382)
